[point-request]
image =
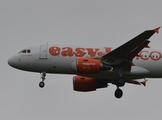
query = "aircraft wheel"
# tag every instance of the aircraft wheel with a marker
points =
(41, 84)
(118, 93)
(121, 82)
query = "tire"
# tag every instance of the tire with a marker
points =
(118, 93)
(41, 84)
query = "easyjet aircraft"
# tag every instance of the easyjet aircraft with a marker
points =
(95, 67)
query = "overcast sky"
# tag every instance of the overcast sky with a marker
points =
(81, 22)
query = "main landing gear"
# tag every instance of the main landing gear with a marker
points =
(118, 93)
(119, 83)
(43, 77)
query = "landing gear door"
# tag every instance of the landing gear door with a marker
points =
(43, 52)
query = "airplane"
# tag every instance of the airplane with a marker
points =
(95, 67)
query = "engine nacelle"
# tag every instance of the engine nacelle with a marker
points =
(84, 84)
(88, 66)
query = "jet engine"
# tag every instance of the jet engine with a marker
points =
(85, 84)
(89, 66)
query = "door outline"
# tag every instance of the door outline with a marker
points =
(43, 52)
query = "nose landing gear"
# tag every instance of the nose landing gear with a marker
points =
(43, 77)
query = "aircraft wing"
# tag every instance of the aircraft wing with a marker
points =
(131, 48)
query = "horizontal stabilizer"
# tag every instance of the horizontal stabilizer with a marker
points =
(137, 82)
(144, 82)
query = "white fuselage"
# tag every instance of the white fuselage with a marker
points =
(60, 59)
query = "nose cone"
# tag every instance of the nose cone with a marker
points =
(11, 61)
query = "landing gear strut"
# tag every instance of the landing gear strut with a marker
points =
(43, 77)
(120, 82)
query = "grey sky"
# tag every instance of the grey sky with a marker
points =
(80, 22)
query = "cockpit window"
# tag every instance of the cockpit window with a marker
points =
(28, 51)
(25, 51)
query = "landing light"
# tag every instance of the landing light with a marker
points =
(111, 70)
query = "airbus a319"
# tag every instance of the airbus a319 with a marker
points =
(95, 67)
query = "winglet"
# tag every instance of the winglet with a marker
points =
(157, 29)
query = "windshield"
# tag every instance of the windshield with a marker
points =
(25, 51)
